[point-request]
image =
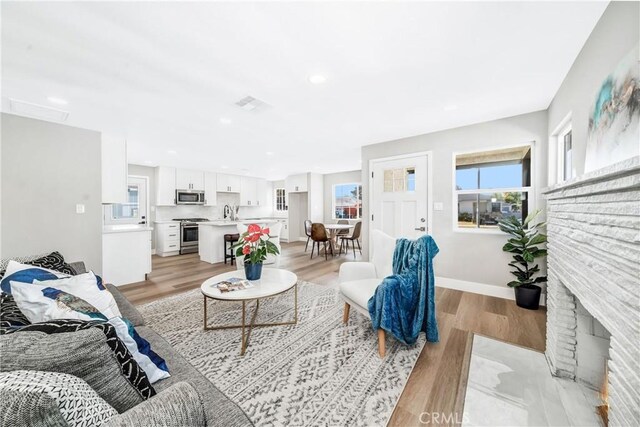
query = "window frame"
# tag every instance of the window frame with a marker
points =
(566, 129)
(108, 218)
(275, 200)
(333, 201)
(530, 190)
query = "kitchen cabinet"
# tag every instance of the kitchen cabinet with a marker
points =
(126, 256)
(167, 238)
(248, 191)
(210, 188)
(165, 181)
(188, 179)
(114, 170)
(228, 183)
(263, 191)
(297, 183)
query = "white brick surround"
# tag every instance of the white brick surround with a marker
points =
(594, 256)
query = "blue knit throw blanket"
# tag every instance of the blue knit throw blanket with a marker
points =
(404, 304)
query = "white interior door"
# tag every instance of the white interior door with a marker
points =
(134, 211)
(399, 196)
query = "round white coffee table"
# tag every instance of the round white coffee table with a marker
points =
(273, 281)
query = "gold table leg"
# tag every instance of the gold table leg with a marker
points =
(243, 326)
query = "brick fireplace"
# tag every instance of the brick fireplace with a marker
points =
(593, 293)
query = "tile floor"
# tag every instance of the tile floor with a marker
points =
(512, 386)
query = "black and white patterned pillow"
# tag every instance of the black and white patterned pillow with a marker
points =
(11, 318)
(129, 368)
(79, 404)
(54, 261)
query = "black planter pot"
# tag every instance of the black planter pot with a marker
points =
(528, 296)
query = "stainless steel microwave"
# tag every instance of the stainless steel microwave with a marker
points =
(189, 197)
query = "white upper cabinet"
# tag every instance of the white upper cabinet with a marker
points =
(210, 187)
(248, 191)
(187, 179)
(228, 183)
(114, 170)
(165, 180)
(263, 191)
(297, 183)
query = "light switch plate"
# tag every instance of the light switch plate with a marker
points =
(79, 208)
(438, 206)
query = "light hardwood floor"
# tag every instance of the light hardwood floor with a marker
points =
(437, 383)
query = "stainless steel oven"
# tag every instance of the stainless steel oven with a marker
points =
(189, 234)
(189, 197)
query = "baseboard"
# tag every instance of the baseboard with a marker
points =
(480, 288)
(153, 251)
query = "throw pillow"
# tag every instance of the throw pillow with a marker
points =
(27, 274)
(78, 403)
(84, 354)
(11, 318)
(54, 261)
(129, 368)
(43, 303)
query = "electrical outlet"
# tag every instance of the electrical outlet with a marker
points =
(79, 208)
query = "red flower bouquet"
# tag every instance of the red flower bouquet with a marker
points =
(254, 245)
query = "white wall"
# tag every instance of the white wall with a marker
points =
(616, 33)
(332, 179)
(47, 169)
(465, 256)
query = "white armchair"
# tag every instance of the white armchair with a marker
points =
(272, 260)
(359, 280)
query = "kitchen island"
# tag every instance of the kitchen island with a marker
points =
(211, 243)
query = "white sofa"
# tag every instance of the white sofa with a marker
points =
(274, 232)
(359, 280)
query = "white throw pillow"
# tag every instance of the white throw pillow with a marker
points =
(78, 403)
(27, 274)
(41, 303)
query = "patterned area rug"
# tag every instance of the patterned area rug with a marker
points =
(319, 372)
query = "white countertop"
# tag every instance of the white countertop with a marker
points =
(166, 221)
(126, 228)
(223, 223)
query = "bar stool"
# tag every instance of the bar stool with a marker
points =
(228, 249)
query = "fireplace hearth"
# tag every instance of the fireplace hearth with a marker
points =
(593, 295)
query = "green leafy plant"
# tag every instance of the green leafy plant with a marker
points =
(524, 245)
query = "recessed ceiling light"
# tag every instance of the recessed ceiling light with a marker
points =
(225, 120)
(55, 100)
(224, 167)
(172, 152)
(450, 107)
(317, 79)
(270, 153)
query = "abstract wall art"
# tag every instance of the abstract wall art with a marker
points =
(614, 116)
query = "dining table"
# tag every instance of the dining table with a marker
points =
(334, 229)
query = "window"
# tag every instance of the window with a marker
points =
(127, 210)
(492, 185)
(134, 211)
(281, 200)
(567, 156)
(347, 201)
(399, 180)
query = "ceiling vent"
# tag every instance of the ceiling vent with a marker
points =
(249, 103)
(36, 111)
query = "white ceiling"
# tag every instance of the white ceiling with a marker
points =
(163, 74)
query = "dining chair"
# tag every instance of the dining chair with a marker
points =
(319, 235)
(353, 238)
(307, 231)
(344, 232)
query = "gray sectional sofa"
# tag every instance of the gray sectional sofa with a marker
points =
(186, 398)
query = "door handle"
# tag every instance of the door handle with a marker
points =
(421, 229)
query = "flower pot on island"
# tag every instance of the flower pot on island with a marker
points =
(253, 271)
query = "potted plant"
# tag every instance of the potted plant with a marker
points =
(254, 246)
(523, 244)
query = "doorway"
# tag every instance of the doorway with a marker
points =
(134, 211)
(400, 195)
